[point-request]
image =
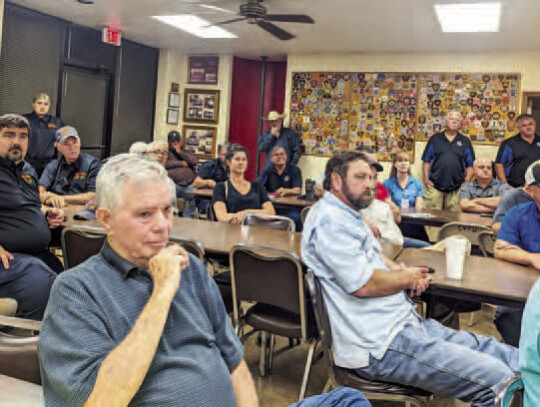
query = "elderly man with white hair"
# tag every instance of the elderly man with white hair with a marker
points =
(141, 323)
(482, 195)
(139, 148)
(448, 160)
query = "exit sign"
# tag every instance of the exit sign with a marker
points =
(113, 37)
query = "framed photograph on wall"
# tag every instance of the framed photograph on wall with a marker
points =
(201, 106)
(203, 70)
(172, 116)
(201, 140)
(174, 99)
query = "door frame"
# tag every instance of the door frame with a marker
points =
(108, 75)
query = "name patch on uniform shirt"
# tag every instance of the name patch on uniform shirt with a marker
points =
(27, 178)
(51, 125)
(79, 176)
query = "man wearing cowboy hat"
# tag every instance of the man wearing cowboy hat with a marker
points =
(277, 135)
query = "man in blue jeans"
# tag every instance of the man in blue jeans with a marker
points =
(375, 329)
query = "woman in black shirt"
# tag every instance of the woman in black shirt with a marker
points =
(236, 197)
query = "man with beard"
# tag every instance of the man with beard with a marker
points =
(24, 224)
(375, 328)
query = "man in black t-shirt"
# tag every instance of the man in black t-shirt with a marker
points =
(448, 162)
(518, 152)
(24, 224)
(282, 179)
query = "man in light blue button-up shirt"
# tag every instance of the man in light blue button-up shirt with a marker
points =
(375, 329)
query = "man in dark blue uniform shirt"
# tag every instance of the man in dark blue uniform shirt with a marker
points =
(518, 152)
(282, 179)
(42, 131)
(24, 224)
(448, 161)
(210, 173)
(70, 179)
(277, 135)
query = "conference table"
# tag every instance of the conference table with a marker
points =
(484, 279)
(278, 201)
(19, 393)
(219, 238)
(434, 217)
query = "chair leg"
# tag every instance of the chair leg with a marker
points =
(263, 355)
(471, 320)
(327, 386)
(307, 370)
(271, 353)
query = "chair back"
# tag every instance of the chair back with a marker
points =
(486, 241)
(78, 245)
(304, 212)
(18, 354)
(468, 230)
(269, 222)
(322, 320)
(192, 246)
(210, 213)
(268, 276)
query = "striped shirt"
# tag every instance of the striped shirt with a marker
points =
(94, 306)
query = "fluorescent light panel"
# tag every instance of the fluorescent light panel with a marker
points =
(469, 17)
(195, 25)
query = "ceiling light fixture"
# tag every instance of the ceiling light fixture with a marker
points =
(195, 25)
(469, 17)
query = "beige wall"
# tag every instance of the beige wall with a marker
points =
(173, 67)
(525, 63)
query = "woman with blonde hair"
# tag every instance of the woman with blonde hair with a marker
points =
(406, 192)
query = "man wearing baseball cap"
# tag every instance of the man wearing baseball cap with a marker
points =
(277, 135)
(518, 241)
(70, 179)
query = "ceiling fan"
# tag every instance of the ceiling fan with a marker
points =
(255, 13)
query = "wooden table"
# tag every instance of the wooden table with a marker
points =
(436, 217)
(484, 279)
(18, 393)
(285, 201)
(220, 238)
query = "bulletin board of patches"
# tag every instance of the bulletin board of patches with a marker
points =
(488, 104)
(389, 111)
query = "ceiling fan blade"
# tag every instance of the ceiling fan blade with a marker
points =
(226, 22)
(289, 18)
(275, 30)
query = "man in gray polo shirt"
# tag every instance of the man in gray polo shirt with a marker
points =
(140, 323)
(483, 194)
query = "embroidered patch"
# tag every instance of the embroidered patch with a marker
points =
(51, 126)
(27, 178)
(79, 176)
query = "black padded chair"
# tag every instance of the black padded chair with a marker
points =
(79, 244)
(274, 279)
(339, 376)
(18, 354)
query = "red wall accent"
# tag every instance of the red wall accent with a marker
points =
(245, 94)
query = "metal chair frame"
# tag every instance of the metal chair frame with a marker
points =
(265, 362)
(486, 241)
(510, 393)
(468, 230)
(269, 221)
(304, 213)
(326, 341)
(192, 246)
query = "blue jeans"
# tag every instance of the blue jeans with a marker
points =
(414, 243)
(189, 211)
(342, 397)
(456, 364)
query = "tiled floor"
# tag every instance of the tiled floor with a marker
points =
(282, 386)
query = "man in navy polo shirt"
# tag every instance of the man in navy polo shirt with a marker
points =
(282, 179)
(518, 152)
(25, 263)
(448, 161)
(518, 241)
(141, 323)
(70, 179)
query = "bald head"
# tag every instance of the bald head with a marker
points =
(482, 169)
